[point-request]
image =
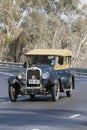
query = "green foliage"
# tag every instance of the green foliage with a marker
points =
(79, 25)
(41, 27)
(68, 6)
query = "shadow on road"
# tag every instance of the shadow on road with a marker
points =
(43, 117)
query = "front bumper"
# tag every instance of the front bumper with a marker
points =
(33, 90)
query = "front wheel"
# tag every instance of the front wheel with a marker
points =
(12, 93)
(55, 92)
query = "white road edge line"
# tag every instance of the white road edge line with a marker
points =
(74, 116)
(6, 74)
(35, 129)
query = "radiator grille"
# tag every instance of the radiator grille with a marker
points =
(33, 78)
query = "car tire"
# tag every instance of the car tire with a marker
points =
(69, 92)
(12, 93)
(32, 96)
(56, 92)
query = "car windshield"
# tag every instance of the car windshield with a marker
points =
(46, 60)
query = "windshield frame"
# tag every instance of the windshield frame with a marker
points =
(40, 60)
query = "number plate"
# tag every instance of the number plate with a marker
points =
(34, 81)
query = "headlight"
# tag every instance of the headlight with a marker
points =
(45, 75)
(21, 75)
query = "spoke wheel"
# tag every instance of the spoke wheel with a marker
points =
(55, 92)
(12, 93)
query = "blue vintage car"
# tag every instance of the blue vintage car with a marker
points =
(47, 72)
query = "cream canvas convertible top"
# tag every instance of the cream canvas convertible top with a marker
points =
(50, 52)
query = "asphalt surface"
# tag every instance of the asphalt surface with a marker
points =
(41, 113)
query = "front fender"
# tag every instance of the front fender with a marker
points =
(12, 80)
(54, 80)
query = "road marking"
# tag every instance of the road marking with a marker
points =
(74, 116)
(35, 129)
(7, 74)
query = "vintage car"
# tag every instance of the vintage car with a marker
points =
(47, 72)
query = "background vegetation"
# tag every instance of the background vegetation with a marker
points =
(31, 24)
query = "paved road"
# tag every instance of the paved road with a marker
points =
(41, 113)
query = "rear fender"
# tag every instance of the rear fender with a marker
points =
(73, 81)
(66, 82)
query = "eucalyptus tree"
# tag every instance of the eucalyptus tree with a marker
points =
(30, 24)
(10, 16)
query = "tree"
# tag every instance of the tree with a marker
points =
(27, 25)
(10, 15)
